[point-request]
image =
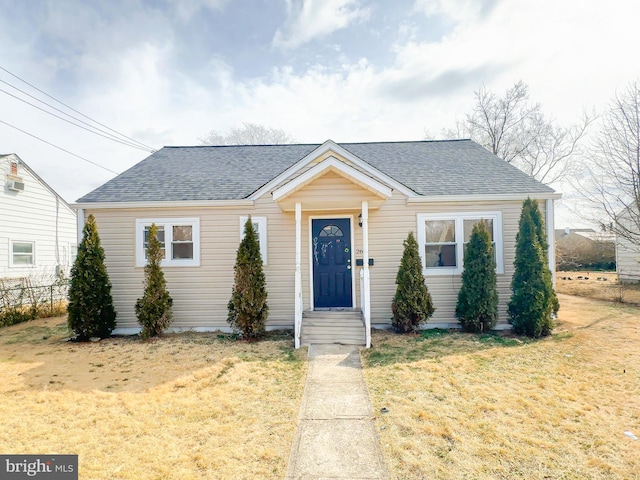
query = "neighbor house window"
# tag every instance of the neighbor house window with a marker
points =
(260, 226)
(442, 240)
(179, 239)
(23, 254)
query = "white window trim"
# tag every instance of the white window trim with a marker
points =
(458, 218)
(262, 233)
(167, 223)
(22, 265)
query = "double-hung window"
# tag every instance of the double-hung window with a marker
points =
(23, 254)
(442, 239)
(179, 240)
(260, 226)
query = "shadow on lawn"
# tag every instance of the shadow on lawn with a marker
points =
(390, 348)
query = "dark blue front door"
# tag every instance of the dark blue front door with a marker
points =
(331, 257)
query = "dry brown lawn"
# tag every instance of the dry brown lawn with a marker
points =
(594, 285)
(464, 406)
(187, 406)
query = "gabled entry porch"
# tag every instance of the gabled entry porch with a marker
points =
(334, 199)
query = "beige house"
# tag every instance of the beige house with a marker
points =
(331, 220)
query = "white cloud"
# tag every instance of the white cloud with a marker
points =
(187, 8)
(310, 19)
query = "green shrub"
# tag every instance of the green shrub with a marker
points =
(248, 309)
(412, 304)
(477, 307)
(90, 310)
(154, 310)
(533, 300)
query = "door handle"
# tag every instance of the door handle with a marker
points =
(348, 267)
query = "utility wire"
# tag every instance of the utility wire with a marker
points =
(90, 128)
(76, 111)
(110, 137)
(59, 148)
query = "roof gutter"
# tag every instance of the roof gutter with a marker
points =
(165, 204)
(497, 197)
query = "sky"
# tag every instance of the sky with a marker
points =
(168, 72)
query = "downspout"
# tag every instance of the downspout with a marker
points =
(551, 239)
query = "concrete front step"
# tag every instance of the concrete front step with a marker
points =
(332, 327)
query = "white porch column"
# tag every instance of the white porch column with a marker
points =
(551, 239)
(298, 278)
(366, 297)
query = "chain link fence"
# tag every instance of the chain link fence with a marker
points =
(21, 300)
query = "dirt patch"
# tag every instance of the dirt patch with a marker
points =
(182, 406)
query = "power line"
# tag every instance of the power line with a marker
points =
(109, 137)
(76, 111)
(59, 148)
(95, 130)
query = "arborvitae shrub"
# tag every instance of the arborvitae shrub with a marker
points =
(533, 299)
(248, 309)
(538, 221)
(412, 304)
(154, 308)
(477, 307)
(90, 309)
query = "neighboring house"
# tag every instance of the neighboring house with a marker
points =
(627, 252)
(331, 220)
(38, 236)
(584, 248)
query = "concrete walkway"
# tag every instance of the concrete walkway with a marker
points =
(336, 436)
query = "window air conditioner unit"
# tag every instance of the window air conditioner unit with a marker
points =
(15, 185)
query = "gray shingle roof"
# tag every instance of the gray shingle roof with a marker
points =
(452, 167)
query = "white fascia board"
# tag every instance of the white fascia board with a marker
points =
(332, 163)
(168, 204)
(330, 145)
(483, 198)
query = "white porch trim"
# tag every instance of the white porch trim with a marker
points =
(550, 214)
(366, 281)
(298, 278)
(342, 169)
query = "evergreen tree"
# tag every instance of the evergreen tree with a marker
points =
(538, 221)
(154, 308)
(532, 300)
(412, 304)
(477, 307)
(248, 309)
(90, 309)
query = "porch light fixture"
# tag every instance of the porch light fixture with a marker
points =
(360, 220)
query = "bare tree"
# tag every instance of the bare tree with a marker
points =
(517, 131)
(610, 181)
(248, 134)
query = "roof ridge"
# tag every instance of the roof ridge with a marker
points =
(391, 142)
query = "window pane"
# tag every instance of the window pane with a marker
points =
(182, 233)
(182, 250)
(22, 247)
(159, 236)
(331, 231)
(468, 227)
(440, 231)
(22, 259)
(440, 255)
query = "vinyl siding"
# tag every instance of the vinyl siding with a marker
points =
(201, 293)
(34, 215)
(627, 258)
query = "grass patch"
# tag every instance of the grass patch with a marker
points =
(183, 406)
(500, 407)
(597, 285)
